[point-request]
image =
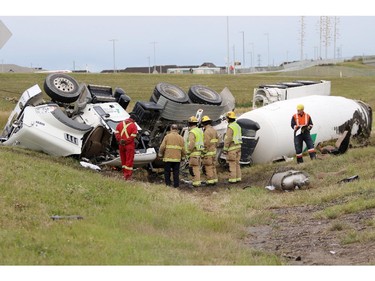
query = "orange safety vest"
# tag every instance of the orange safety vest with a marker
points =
(301, 120)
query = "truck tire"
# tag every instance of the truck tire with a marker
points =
(203, 95)
(61, 88)
(170, 92)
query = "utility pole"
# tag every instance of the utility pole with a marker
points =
(154, 43)
(259, 60)
(252, 54)
(251, 60)
(114, 54)
(149, 67)
(227, 45)
(336, 35)
(325, 33)
(243, 48)
(268, 48)
(320, 36)
(234, 59)
(302, 36)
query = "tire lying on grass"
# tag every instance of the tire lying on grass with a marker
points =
(61, 88)
(204, 95)
(170, 92)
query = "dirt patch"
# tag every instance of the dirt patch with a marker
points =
(300, 239)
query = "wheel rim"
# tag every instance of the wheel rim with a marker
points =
(173, 92)
(207, 94)
(63, 84)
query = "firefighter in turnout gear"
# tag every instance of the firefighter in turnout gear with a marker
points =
(172, 150)
(210, 139)
(302, 124)
(194, 148)
(126, 132)
(232, 147)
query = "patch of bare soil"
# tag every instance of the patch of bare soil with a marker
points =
(300, 239)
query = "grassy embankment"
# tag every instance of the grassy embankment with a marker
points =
(147, 224)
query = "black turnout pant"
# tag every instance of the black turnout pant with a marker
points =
(175, 168)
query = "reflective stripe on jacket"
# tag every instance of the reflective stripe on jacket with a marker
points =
(210, 141)
(126, 130)
(172, 147)
(195, 142)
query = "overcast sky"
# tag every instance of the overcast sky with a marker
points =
(75, 36)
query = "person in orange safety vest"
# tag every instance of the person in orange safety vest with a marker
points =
(301, 123)
(126, 132)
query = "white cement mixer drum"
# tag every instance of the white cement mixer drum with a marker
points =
(331, 115)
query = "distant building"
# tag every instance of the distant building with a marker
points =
(180, 70)
(142, 69)
(205, 68)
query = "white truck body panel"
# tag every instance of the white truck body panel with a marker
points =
(268, 94)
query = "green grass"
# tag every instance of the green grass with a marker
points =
(123, 224)
(140, 223)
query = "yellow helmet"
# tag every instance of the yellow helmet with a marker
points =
(205, 118)
(231, 115)
(193, 119)
(300, 107)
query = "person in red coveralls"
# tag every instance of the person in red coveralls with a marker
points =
(125, 133)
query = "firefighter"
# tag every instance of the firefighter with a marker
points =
(210, 139)
(232, 147)
(302, 124)
(194, 148)
(172, 150)
(126, 132)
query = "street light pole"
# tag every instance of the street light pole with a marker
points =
(227, 45)
(251, 60)
(252, 54)
(243, 48)
(149, 68)
(114, 54)
(268, 48)
(234, 59)
(154, 54)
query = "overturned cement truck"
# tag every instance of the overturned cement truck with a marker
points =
(80, 120)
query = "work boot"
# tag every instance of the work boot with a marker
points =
(210, 183)
(299, 160)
